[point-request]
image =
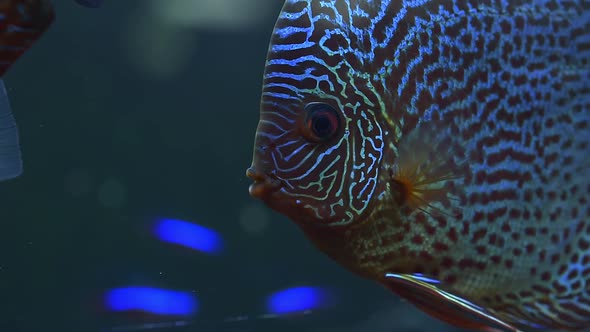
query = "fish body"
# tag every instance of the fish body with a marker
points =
(446, 139)
(22, 22)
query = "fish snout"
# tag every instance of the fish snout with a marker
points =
(264, 184)
(263, 169)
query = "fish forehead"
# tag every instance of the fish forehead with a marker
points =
(405, 59)
(302, 69)
(514, 77)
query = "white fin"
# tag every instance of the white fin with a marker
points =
(425, 294)
(11, 164)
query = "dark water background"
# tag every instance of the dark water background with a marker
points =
(126, 116)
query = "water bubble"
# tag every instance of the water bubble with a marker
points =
(218, 14)
(112, 194)
(78, 182)
(254, 218)
(159, 49)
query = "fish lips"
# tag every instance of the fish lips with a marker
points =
(270, 190)
(264, 185)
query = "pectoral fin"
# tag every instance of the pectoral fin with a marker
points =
(430, 167)
(424, 294)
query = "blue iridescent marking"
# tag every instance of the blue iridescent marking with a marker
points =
(421, 277)
(189, 235)
(499, 89)
(152, 300)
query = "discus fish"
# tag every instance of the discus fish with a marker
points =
(22, 22)
(440, 148)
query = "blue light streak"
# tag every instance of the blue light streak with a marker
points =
(189, 235)
(152, 300)
(424, 278)
(296, 299)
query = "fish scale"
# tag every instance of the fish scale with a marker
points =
(482, 106)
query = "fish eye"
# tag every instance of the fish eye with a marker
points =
(322, 122)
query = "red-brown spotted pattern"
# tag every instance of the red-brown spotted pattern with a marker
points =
(22, 22)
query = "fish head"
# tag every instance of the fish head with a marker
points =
(319, 141)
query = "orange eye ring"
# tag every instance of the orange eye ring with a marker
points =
(322, 122)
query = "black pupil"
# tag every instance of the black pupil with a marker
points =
(322, 121)
(322, 124)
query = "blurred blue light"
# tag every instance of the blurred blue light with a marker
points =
(296, 299)
(189, 235)
(151, 300)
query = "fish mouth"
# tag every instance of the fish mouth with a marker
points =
(264, 184)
